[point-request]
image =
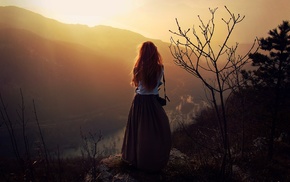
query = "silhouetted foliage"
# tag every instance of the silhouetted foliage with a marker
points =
(248, 142)
(273, 65)
(271, 80)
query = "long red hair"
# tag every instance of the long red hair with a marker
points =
(148, 66)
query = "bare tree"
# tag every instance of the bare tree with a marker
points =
(90, 151)
(29, 172)
(217, 68)
(23, 151)
(11, 130)
(43, 146)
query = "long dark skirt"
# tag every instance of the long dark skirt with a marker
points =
(147, 140)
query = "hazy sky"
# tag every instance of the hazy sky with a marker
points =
(153, 18)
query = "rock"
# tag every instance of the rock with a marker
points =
(114, 169)
(104, 174)
(112, 161)
(123, 177)
(241, 174)
(177, 156)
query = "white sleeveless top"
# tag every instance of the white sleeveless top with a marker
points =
(142, 90)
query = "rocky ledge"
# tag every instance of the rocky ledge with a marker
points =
(114, 169)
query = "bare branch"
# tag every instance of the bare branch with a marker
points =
(198, 57)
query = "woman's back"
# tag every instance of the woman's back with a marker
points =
(147, 139)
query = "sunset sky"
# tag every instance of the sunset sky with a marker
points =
(153, 18)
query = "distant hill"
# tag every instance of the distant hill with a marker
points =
(102, 39)
(51, 52)
(70, 75)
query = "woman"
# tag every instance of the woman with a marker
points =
(147, 139)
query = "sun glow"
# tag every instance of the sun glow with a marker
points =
(89, 12)
(153, 19)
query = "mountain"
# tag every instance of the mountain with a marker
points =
(102, 39)
(43, 66)
(78, 76)
(74, 53)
